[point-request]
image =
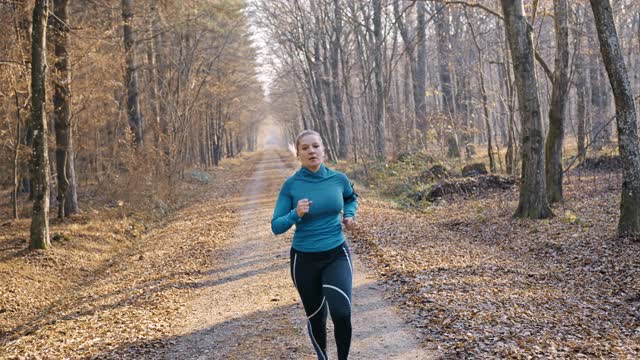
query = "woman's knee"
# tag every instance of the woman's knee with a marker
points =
(340, 313)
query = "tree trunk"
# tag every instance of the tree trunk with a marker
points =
(420, 77)
(381, 150)
(16, 146)
(629, 223)
(599, 132)
(448, 107)
(331, 125)
(71, 199)
(557, 110)
(61, 100)
(408, 97)
(154, 102)
(23, 31)
(533, 199)
(133, 101)
(40, 157)
(511, 152)
(411, 78)
(160, 70)
(343, 142)
(483, 93)
(580, 83)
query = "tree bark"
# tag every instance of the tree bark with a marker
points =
(161, 68)
(420, 77)
(557, 110)
(448, 105)
(343, 141)
(505, 74)
(599, 130)
(533, 199)
(411, 78)
(629, 223)
(154, 102)
(133, 101)
(71, 197)
(381, 150)
(442, 33)
(62, 101)
(483, 93)
(40, 158)
(328, 88)
(580, 84)
(16, 146)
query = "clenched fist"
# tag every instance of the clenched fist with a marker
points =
(349, 223)
(303, 207)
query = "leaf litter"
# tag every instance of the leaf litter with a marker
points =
(471, 278)
(480, 283)
(111, 286)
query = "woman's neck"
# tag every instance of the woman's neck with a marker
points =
(313, 169)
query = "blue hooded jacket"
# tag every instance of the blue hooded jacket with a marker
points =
(330, 193)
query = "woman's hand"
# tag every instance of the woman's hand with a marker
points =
(349, 223)
(303, 207)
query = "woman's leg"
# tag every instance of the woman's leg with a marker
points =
(306, 278)
(336, 284)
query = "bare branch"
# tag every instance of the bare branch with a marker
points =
(13, 62)
(539, 58)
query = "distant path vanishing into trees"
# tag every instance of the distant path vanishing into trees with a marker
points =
(250, 309)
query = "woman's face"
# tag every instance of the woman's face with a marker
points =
(311, 152)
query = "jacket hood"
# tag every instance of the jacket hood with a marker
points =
(322, 173)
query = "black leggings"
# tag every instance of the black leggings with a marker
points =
(323, 280)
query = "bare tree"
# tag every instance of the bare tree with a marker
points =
(420, 77)
(533, 199)
(62, 112)
(443, 29)
(336, 53)
(413, 87)
(557, 111)
(483, 94)
(629, 223)
(40, 158)
(379, 121)
(133, 101)
(580, 82)
(16, 146)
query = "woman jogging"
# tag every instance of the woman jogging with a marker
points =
(321, 269)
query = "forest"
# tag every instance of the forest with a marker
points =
(493, 146)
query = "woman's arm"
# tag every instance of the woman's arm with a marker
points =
(284, 214)
(350, 200)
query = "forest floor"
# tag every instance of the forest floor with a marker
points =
(480, 283)
(460, 278)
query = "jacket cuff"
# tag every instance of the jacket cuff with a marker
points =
(293, 217)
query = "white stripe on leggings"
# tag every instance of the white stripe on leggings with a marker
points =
(348, 259)
(313, 338)
(341, 292)
(312, 315)
(295, 258)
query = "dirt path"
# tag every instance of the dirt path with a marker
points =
(249, 308)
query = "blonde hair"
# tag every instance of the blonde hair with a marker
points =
(305, 133)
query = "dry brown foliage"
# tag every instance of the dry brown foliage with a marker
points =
(482, 284)
(116, 280)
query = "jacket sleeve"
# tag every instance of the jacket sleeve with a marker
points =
(350, 199)
(284, 214)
